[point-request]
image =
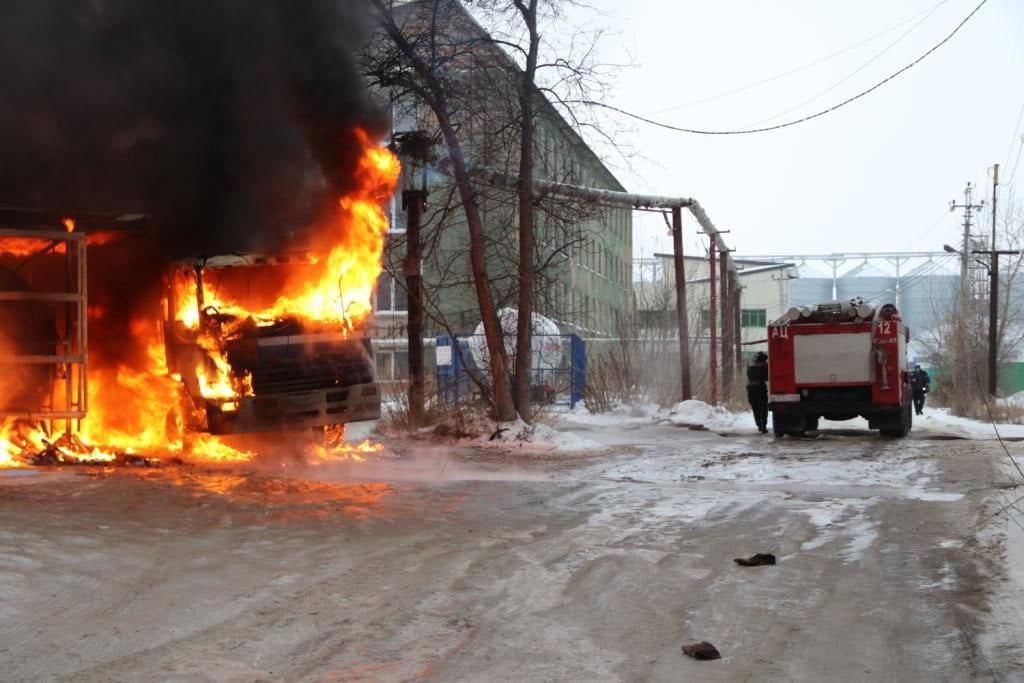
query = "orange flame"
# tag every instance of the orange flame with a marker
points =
(140, 409)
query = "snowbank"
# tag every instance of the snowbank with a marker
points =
(694, 413)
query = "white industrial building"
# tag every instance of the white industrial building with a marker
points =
(924, 286)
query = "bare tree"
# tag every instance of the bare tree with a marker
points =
(483, 93)
(956, 339)
(416, 65)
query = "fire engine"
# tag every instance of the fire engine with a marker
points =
(839, 360)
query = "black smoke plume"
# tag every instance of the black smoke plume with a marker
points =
(230, 122)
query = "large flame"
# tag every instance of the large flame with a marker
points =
(139, 409)
(346, 251)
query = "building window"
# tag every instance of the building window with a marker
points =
(753, 317)
(401, 365)
(392, 365)
(384, 365)
(391, 295)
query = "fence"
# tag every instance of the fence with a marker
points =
(559, 379)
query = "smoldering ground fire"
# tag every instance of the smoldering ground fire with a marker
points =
(236, 126)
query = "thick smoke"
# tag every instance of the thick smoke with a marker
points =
(229, 121)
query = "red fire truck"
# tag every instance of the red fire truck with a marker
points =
(837, 361)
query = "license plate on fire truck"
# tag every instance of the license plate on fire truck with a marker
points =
(784, 398)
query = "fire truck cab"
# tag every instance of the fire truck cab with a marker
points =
(839, 360)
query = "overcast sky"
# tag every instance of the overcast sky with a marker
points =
(877, 175)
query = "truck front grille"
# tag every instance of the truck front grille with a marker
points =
(290, 368)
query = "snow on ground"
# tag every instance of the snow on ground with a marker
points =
(940, 421)
(698, 414)
(535, 437)
(619, 415)
(1016, 400)
(716, 418)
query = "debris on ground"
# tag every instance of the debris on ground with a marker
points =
(702, 650)
(70, 450)
(755, 560)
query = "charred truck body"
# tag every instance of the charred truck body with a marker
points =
(838, 361)
(243, 371)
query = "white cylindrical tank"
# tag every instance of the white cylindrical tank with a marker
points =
(546, 346)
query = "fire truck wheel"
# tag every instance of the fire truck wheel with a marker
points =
(901, 423)
(779, 425)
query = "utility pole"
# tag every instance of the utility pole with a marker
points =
(993, 294)
(713, 326)
(964, 372)
(682, 321)
(736, 290)
(969, 208)
(417, 146)
(730, 330)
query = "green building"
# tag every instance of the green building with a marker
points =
(583, 252)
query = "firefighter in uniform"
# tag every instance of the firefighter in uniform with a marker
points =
(757, 390)
(919, 381)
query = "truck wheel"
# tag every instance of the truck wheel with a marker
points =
(901, 423)
(779, 425)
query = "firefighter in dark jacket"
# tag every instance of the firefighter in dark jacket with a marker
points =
(757, 390)
(919, 381)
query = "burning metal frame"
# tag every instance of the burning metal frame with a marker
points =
(67, 397)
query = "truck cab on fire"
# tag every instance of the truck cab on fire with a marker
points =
(247, 363)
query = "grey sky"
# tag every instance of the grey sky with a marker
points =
(876, 175)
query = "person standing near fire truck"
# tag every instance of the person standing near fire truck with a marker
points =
(919, 381)
(757, 389)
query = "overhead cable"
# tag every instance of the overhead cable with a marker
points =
(787, 124)
(734, 91)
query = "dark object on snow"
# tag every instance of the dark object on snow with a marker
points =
(702, 650)
(498, 432)
(755, 560)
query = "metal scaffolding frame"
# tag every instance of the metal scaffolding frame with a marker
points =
(68, 397)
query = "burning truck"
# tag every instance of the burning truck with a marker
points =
(248, 366)
(243, 343)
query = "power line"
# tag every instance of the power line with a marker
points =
(1016, 161)
(852, 73)
(719, 96)
(927, 231)
(803, 119)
